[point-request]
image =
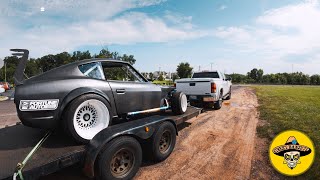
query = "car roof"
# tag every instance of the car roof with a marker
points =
(85, 61)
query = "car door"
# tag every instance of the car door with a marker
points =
(130, 91)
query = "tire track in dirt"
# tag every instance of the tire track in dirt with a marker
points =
(217, 144)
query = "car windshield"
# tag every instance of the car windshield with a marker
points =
(206, 75)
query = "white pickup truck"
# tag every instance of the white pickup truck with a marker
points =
(206, 87)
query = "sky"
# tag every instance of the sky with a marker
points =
(228, 35)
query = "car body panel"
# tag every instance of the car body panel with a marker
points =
(133, 96)
(67, 82)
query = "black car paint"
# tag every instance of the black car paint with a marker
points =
(67, 82)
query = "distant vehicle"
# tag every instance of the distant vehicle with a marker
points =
(2, 90)
(85, 97)
(206, 87)
(5, 85)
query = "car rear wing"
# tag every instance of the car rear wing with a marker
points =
(18, 74)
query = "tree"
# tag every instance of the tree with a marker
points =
(161, 78)
(78, 55)
(256, 75)
(151, 76)
(130, 59)
(259, 76)
(315, 79)
(174, 77)
(184, 70)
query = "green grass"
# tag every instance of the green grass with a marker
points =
(291, 107)
(164, 82)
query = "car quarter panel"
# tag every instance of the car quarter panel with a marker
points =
(65, 90)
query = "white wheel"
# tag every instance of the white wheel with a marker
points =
(90, 118)
(179, 103)
(184, 103)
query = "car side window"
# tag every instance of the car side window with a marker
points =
(93, 70)
(121, 72)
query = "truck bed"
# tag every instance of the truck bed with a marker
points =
(57, 152)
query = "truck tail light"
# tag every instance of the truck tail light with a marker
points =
(213, 87)
(175, 85)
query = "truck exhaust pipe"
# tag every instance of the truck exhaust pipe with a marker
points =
(18, 74)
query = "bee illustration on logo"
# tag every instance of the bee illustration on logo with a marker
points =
(291, 151)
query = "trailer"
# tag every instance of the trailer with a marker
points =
(114, 153)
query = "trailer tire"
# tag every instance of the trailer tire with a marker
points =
(86, 116)
(121, 159)
(179, 103)
(163, 141)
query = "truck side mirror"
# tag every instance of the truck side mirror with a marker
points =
(228, 79)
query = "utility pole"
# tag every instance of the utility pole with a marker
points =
(5, 72)
(199, 68)
(211, 65)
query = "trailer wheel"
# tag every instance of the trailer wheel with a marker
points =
(121, 159)
(163, 141)
(179, 103)
(86, 116)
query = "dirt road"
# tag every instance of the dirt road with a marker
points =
(217, 144)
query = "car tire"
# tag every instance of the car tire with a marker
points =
(121, 159)
(179, 103)
(218, 104)
(86, 116)
(163, 141)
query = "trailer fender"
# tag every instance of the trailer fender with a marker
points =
(141, 130)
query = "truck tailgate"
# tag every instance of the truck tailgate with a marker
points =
(194, 87)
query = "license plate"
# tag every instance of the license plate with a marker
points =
(208, 99)
(192, 97)
(38, 105)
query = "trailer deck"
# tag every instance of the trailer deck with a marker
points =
(57, 152)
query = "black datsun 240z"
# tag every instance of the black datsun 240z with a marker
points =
(85, 97)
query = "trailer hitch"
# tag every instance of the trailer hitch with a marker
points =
(21, 165)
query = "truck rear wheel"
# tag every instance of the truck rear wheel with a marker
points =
(218, 104)
(179, 103)
(229, 95)
(163, 141)
(121, 159)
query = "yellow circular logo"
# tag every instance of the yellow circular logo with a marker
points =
(291, 153)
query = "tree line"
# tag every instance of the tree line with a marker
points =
(257, 76)
(37, 66)
(47, 62)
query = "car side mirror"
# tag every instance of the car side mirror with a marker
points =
(228, 79)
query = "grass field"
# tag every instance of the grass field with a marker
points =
(291, 107)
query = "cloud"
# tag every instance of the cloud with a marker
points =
(279, 33)
(179, 19)
(100, 22)
(222, 7)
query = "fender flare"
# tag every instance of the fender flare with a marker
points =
(79, 92)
